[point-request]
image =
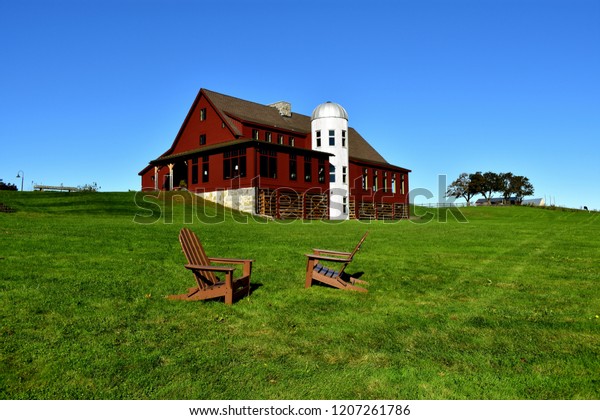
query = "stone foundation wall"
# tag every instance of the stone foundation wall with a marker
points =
(241, 199)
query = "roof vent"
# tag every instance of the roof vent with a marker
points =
(284, 108)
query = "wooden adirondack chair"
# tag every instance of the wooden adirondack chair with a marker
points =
(333, 277)
(209, 286)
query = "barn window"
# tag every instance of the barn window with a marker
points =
(332, 137)
(402, 183)
(307, 169)
(268, 137)
(255, 134)
(318, 135)
(234, 163)
(393, 183)
(280, 139)
(293, 168)
(292, 141)
(202, 139)
(384, 185)
(204, 168)
(322, 171)
(203, 114)
(365, 179)
(268, 163)
(194, 170)
(375, 185)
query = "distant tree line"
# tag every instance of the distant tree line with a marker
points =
(7, 187)
(487, 184)
(93, 187)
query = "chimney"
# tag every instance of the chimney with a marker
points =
(284, 108)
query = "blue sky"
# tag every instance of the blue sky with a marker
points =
(91, 91)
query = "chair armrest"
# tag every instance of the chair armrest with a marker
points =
(229, 260)
(209, 268)
(327, 258)
(326, 251)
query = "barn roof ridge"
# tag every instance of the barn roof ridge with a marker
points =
(254, 112)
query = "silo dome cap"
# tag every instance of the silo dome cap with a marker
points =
(329, 110)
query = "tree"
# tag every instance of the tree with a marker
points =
(517, 185)
(492, 183)
(93, 187)
(462, 187)
(506, 185)
(7, 187)
(521, 187)
(477, 183)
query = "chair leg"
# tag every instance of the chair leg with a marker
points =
(356, 288)
(353, 280)
(229, 290)
(229, 298)
(310, 266)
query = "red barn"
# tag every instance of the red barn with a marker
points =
(267, 160)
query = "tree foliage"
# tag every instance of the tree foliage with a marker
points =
(521, 187)
(462, 188)
(7, 187)
(492, 183)
(93, 187)
(487, 184)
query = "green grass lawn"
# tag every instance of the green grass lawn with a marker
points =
(505, 306)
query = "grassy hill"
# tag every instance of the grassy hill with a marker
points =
(504, 306)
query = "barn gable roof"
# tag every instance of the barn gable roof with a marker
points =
(252, 112)
(231, 109)
(359, 148)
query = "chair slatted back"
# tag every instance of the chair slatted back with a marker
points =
(356, 249)
(359, 244)
(194, 252)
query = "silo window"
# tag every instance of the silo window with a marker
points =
(318, 136)
(331, 173)
(343, 138)
(332, 137)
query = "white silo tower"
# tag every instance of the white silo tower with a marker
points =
(329, 126)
